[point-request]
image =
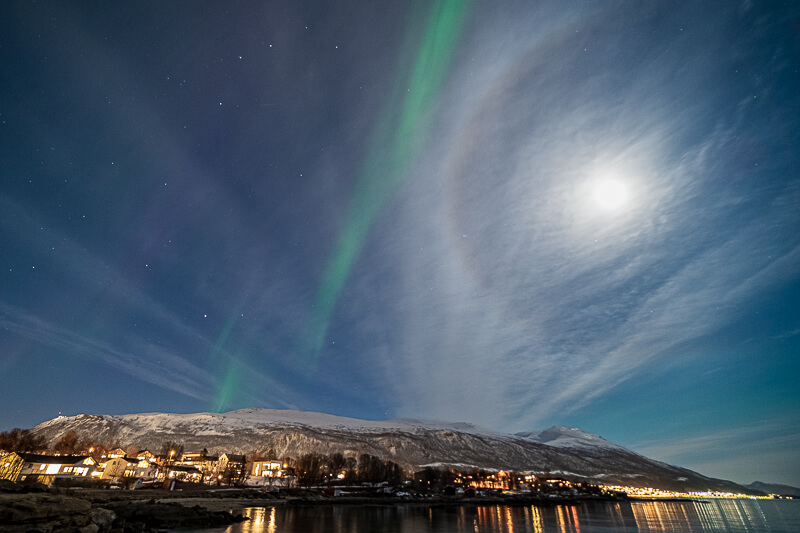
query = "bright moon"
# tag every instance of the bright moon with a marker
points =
(610, 194)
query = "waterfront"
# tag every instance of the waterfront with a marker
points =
(743, 515)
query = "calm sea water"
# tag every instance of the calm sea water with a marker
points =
(774, 516)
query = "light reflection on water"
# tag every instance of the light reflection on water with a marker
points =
(715, 516)
(262, 519)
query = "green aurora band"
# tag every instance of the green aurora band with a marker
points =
(399, 134)
(226, 365)
(230, 382)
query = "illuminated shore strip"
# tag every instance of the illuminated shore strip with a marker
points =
(649, 492)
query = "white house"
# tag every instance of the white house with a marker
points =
(118, 467)
(45, 468)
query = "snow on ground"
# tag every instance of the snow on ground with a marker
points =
(566, 437)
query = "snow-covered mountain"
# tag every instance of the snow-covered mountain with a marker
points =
(774, 488)
(413, 444)
(564, 437)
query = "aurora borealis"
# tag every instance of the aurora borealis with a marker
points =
(514, 214)
(399, 137)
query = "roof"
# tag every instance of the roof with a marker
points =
(234, 458)
(195, 456)
(184, 468)
(127, 459)
(53, 459)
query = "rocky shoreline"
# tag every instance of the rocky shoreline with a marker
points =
(34, 509)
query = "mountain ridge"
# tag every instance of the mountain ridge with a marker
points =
(774, 488)
(557, 451)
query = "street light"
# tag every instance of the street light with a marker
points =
(166, 469)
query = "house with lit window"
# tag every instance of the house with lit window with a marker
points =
(146, 455)
(205, 463)
(116, 452)
(118, 467)
(265, 469)
(184, 473)
(45, 468)
(146, 469)
(231, 466)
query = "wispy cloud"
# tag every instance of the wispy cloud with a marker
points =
(741, 440)
(488, 286)
(509, 297)
(756, 452)
(151, 364)
(182, 369)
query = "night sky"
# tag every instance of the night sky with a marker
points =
(515, 214)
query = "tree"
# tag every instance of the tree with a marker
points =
(373, 469)
(91, 447)
(22, 440)
(29, 442)
(350, 465)
(431, 478)
(309, 469)
(68, 442)
(336, 463)
(8, 440)
(234, 475)
(171, 450)
(393, 472)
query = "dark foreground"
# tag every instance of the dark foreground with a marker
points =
(33, 509)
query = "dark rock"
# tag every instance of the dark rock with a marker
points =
(9, 487)
(44, 512)
(103, 518)
(168, 515)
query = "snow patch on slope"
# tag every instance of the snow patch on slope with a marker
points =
(566, 437)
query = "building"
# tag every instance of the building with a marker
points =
(118, 467)
(116, 452)
(146, 455)
(146, 469)
(207, 464)
(231, 468)
(265, 469)
(184, 473)
(45, 468)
